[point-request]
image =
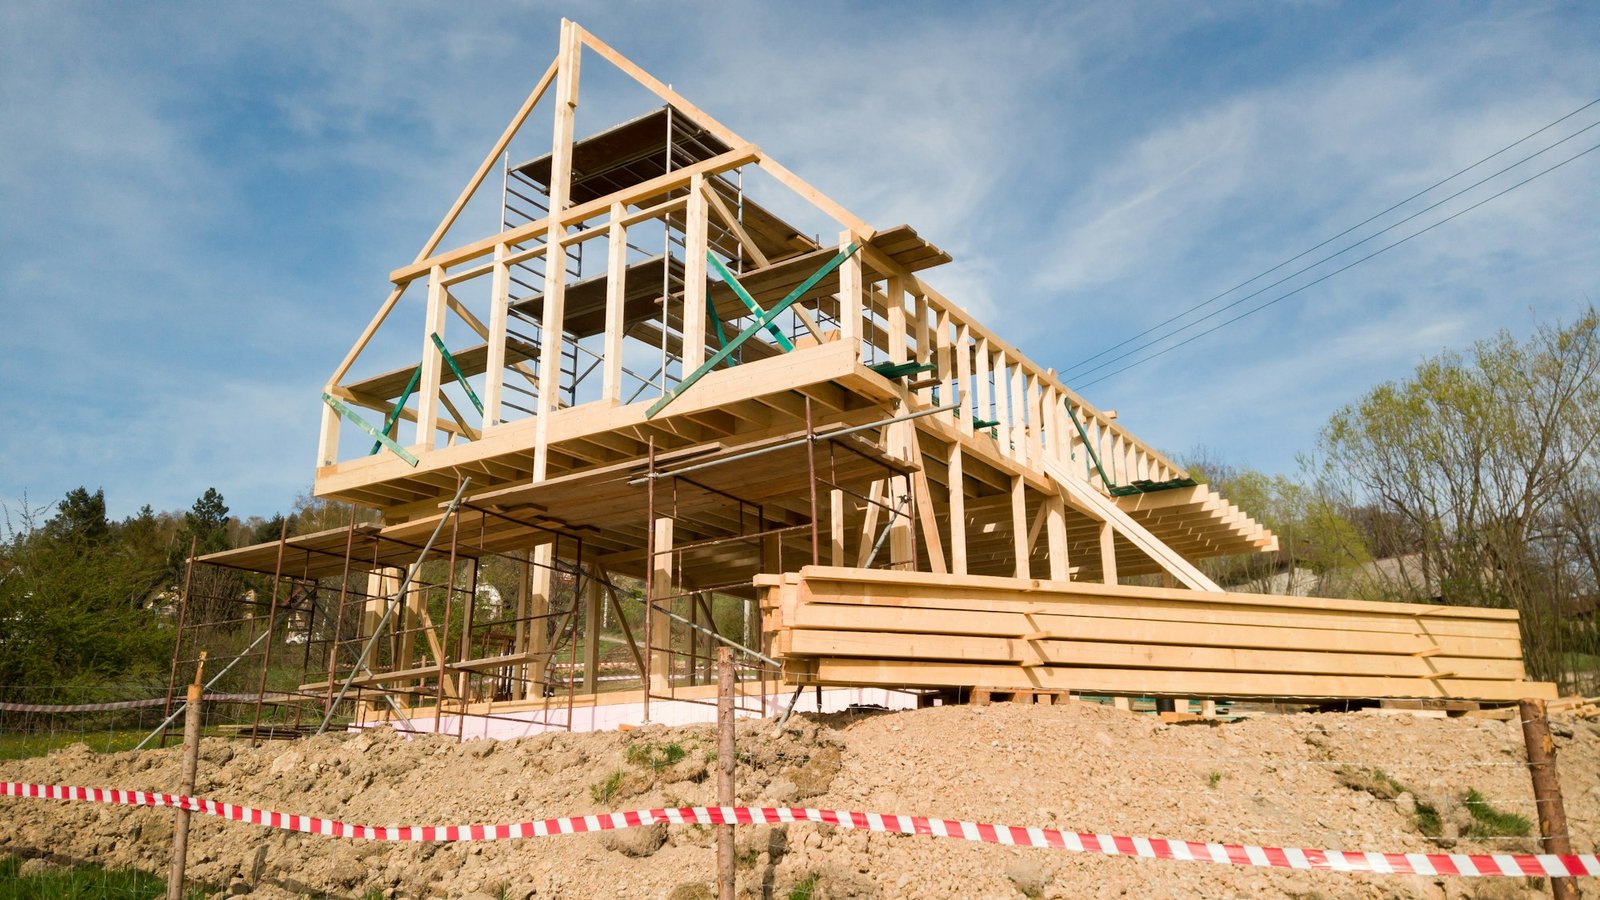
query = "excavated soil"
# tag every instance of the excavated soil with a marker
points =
(1348, 781)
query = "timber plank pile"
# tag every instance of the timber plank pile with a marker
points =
(892, 628)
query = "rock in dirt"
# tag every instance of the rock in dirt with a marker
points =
(636, 842)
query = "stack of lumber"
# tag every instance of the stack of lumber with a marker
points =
(1582, 707)
(910, 629)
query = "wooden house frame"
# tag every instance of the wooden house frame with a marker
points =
(905, 498)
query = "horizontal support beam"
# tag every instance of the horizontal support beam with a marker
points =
(582, 212)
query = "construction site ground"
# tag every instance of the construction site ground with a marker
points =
(1302, 780)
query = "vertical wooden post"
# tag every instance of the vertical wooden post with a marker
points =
(553, 315)
(943, 367)
(958, 512)
(494, 371)
(519, 632)
(1019, 417)
(1002, 408)
(725, 761)
(1036, 427)
(1019, 526)
(1056, 531)
(328, 434)
(616, 293)
(191, 761)
(849, 291)
(1547, 791)
(591, 634)
(897, 319)
(1108, 554)
(924, 345)
(985, 391)
(432, 360)
(659, 627)
(963, 352)
(540, 586)
(836, 527)
(695, 243)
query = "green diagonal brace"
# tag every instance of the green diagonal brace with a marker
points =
(749, 302)
(1089, 447)
(460, 378)
(711, 310)
(763, 320)
(343, 410)
(394, 414)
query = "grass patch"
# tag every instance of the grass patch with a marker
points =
(642, 753)
(24, 745)
(1380, 784)
(606, 791)
(84, 882)
(1490, 822)
(805, 889)
(1428, 821)
(1213, 779)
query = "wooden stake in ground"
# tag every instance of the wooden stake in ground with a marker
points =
(1547, 791)
(191, 757)
(725, 880)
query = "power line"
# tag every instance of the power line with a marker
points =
(1323, 278)
(1330, 240)
(1302, 270)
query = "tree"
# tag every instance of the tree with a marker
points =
(1478, 459)
(72, 602)
(207, 521)
(81, 517)
(205, 528)
(1315, 534)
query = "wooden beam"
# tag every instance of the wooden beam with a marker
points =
(582, 212)
(1056, 526)
(1063, 649)
(555, 279)
(836, 509)
(616, 294)
(897, 319)
(1108, 554)
(733, 224)
(923, 498)
(1019, 526)
(695, 241)
(958, 512)
(494, 153)
(660, 626)
(1173, 682)
(495, 369)
(591, 633)
(1078, 493)
(432, 361)
(850, 289)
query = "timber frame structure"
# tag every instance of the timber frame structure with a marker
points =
(665, 416)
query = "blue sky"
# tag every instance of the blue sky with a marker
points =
(199, 203)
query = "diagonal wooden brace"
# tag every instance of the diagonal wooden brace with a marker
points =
(343, 410)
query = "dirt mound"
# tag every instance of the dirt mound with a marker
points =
(1349, 781)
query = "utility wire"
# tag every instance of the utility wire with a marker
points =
(1323, 278)
(1330, 240)
(1302, 270)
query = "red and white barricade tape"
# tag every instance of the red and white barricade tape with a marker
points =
(132, 704)
(1465, 864)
